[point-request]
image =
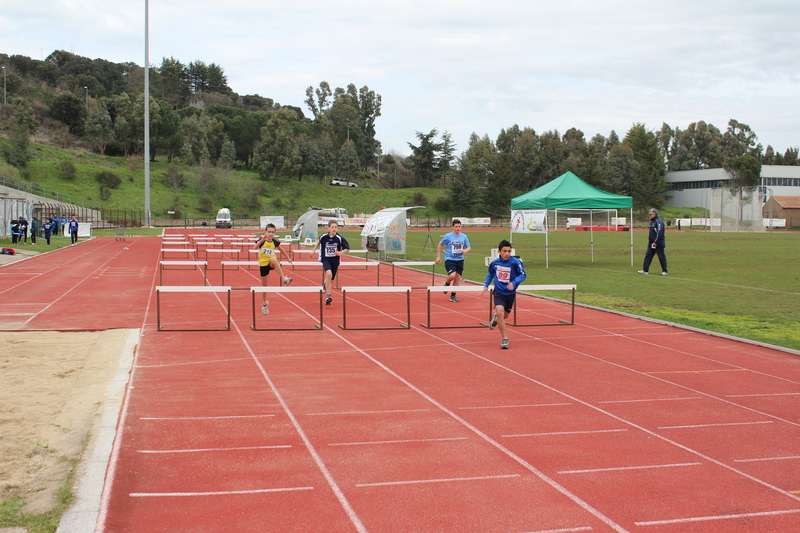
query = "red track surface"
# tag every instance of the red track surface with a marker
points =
(612, 424)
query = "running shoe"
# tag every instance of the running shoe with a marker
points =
(328, 300)
(453, 298)
(663, 273)
(504, 344)
(493, 321)
(265, 308)
(643, 272)
(446, 284)
(286, 281)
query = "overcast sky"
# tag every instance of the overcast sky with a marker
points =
(465, 65)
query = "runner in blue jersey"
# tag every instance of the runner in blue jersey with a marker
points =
(507, 273)
(331, 247)
(455, 245)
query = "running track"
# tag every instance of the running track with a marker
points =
(613, 424)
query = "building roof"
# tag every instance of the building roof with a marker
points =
(788, 202)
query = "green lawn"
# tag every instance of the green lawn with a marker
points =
(745, 284)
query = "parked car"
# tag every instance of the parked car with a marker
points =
(343, 182)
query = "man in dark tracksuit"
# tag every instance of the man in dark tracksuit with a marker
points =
(655, 244)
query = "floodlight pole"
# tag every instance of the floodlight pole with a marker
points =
(5, 102)
(147, 113)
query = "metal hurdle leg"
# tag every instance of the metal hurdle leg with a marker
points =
(255, 289)
(547, 288)
(407, 290)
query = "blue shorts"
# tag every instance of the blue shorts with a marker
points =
(332, 264)
(506, 300)
(454, 266)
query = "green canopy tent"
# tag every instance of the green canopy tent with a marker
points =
(569, 192)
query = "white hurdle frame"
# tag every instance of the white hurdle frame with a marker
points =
(546, 288)
(191, 288)
(431, 264)
(280, 289)
(196, 264)
(459, 288)
(407, 290)
(191, 251)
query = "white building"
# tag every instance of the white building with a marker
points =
(689, 188)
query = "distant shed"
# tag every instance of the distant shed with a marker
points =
(786, 207)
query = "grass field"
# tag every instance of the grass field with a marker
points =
(741, 284)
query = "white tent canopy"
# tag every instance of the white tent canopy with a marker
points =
(386, 230)
(307, 225)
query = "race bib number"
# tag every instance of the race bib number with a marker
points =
(503, 274)
(458, 248)
(268, 251)
(330, 250)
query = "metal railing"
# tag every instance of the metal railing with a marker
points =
(38, 190)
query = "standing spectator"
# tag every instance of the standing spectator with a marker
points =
(47, 228)
(34, 230)
(455, 245)
(64, 226)
(73, 230)
(507, 273)
(14, 231)
(23, 230)
(655, 244)
(54, 225)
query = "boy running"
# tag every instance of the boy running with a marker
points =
(331, 247)
(507, 273)
(267, 260)
(455, 245)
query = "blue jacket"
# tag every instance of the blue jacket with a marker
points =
(501, 272)
(657, 232)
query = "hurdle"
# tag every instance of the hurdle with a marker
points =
(431, 264)
(195, 264)
(458, 288)
(279, 289)
(230, 251)
(237, 264)
(357, 289)
(547, 288)
(299, 251)
(191, 251)
(357, 265)
(189, 288)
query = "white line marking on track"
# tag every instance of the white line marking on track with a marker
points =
(514, 406)
(758, 395)
(442, 480)
(614, 469)
(368, 412)
(654, 400)
(781, 458)
(394, 441)
(717, 517)
(720, 424)
(197, 362)
(567, 530)
(218, 449)
(214, 493)
(565, 433)
(201, 417)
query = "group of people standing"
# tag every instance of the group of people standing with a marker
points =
(20, 228)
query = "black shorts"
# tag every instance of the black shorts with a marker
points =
(264, 270)
(454, 266)
(506, 300)
(332, 264)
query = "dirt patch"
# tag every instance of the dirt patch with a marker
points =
(52, 387)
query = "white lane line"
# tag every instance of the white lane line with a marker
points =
(201, 417)
(442, 480)
(563, 530)
(193, 450)
(565, 433)
(197, 362)
(515, 406)
(765, 394)
(642, 467)
(214, 493)
(781, 458)
(368, 412)
(654, 400)
(716, 425)
(717, 517)
(394, 441)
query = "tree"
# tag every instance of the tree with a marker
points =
(745, 173)
(70, 110)
(424, 157)
(648, 187)
(278, 154)
(23, 125)
(348, 163)
(322, 103)
(99, 127)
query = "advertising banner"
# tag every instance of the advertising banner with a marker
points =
(529, 221)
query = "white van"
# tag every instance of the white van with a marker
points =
(224, 219)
